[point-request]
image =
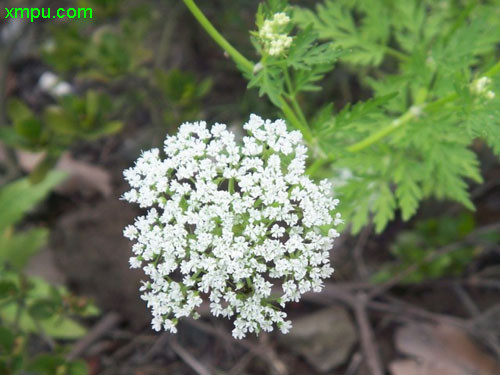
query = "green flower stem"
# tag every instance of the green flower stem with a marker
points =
(437, 104)
(247, 65)
(290, 114)
(293, 98)
(317, 164)
(395, 53)
(296, 116)
(218, 38)
(375, 137)
(394, 125)
(406, 117)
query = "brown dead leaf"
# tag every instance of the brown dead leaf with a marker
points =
(325, 338)
(412, 367)
(440, 350)
(84, 178)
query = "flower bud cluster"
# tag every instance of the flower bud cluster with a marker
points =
(272, 35)
(480, 87)
(232, 224)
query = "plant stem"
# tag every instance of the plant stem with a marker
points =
(218, 38)
(248, 68)
(290, 114)
(317, 164)
(395, 53)
(375, 137)
(293, 98)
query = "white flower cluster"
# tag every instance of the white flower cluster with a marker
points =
(480, 87)
(52, 84)
(274, 40)
(227, 223)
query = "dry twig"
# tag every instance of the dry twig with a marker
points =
(358, 252)
(106, 324)
(367, 340)
(192, 362)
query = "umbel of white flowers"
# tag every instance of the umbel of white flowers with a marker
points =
(227, 223)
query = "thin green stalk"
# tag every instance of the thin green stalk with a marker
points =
(290, 114)
(243, 62)
(375, 137)
(403, 119)
(293, 98)
(395, 53)
(317, 164)
(218, 38)
(437, 104)
(298, 110)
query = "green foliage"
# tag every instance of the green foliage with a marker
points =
(30, 305)
(304, 64)
(366, 39)
(74, 118)
(14, 359)
(16, 199)
(49, 365)
(120, 53)
(110, 51)
(85, 118)
(19, 197)
(182, 94)
(413, 246)
(35, 306)
(432, 68)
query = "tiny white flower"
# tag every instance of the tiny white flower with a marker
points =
(285, 326)
(277, 231)
(52, 84)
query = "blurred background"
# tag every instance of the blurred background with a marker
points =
(79, 100)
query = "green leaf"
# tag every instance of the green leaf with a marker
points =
(78, 368)
(44, 308)
(270, 83)
(362, 29)
(9, 136)
(408, 192)
(44, 167)
(18, 111)
(6, 340)
(57, 325)
(383, 207)
(7, 289)
(17, 249)
(107, 128)
(19, 197)
(305, 52)
(92, 104)
(51, 364)
(29, 128)
(60, 121)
